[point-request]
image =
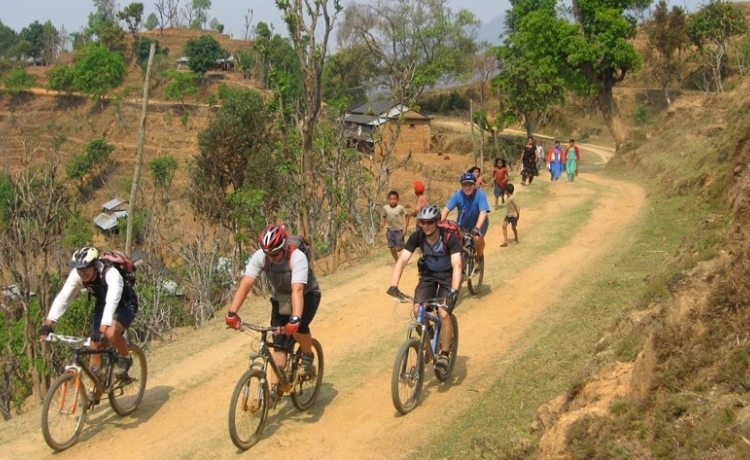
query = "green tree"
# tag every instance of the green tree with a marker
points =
(235, 154)
(91, 163)
(181, 84)
(61, 78)
(33, 34)
(711, 28)
(414, 43)
(50, 42)
(8, 39)
(201, 9)
(98, 70)
(216, 25)
(667, 38)
(592, 46)
(18, 81)
(162, 173)
(203, 53)
(132, 15)
(531, 79)
(152, 22)
(345, 76)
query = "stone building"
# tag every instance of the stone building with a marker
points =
(371, 127)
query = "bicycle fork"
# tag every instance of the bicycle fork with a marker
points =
(76, 386)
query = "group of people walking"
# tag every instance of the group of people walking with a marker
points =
(557, 160)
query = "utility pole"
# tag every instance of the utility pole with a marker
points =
(139, 154)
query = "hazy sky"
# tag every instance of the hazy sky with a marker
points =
(74, 13)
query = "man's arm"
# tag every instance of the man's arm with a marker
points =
(398, 269)
(70, 290)
(480, 220)
(115, 286)
(456, 273)
(246, 284)
(298, 299)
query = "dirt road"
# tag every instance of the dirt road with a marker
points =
(185, 408)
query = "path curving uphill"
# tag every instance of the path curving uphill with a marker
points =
(184, 411)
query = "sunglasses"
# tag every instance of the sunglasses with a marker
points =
(427, 222)
(273, 254)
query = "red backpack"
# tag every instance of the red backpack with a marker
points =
(122, 263)
(447, 228)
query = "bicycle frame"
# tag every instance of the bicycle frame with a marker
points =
(264, 358)
(81, 348)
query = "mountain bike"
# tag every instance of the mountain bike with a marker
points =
(421, 346)
(473, 269)
(67, 402)
(252, 397)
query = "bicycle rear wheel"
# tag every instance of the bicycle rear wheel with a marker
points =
(408, 375)
(248, 409)
(444, 374)
(64, 412)
(475, 276)
(307, 387)
(126, 393)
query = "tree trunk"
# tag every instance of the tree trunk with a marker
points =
(139, 154)
(611, 113)
(308, 186)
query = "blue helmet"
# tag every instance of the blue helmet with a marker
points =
(468, 177)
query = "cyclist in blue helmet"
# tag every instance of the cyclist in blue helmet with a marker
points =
(473, 210)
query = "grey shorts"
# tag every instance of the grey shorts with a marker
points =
(395, 238)
(499, 190)
(124, 314)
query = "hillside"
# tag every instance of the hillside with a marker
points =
(617, 328)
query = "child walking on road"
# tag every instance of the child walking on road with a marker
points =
(395, 220)
(512, 214)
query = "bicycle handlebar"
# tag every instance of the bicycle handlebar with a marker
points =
(69, 340)
(256, 328)
(435, 302)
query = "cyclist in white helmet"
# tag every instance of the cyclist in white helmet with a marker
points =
(439, 270)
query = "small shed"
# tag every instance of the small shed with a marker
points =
(112, 211)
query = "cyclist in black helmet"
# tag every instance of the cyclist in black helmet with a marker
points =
(114, 309)
(439, 269)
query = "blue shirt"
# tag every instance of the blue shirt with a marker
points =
(469, 207)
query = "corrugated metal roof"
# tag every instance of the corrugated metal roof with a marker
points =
(374, 107)
(105, 221)
(121, 214)
(112, 204)
(361, 119)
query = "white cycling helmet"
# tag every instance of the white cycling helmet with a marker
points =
(84, 258)
(429, 212)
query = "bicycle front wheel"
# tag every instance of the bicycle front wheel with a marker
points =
(408, 375)
(248, 409)
(476, 276)
(307, 387)
(444, 374)
(127, 392)
(64, 412)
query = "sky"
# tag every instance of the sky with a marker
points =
(74, 13)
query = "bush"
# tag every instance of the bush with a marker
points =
(18, 81)
(61, 78)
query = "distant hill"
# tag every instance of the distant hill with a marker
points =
(490, 31)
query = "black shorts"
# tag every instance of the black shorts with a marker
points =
(511, 220)
(311, 302)
(123, 315)
(434, 285)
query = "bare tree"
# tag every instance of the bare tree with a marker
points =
(207, 286)
(162, 7)
(189, 14)
(248, 25)
(303, 18)
(28, 238)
